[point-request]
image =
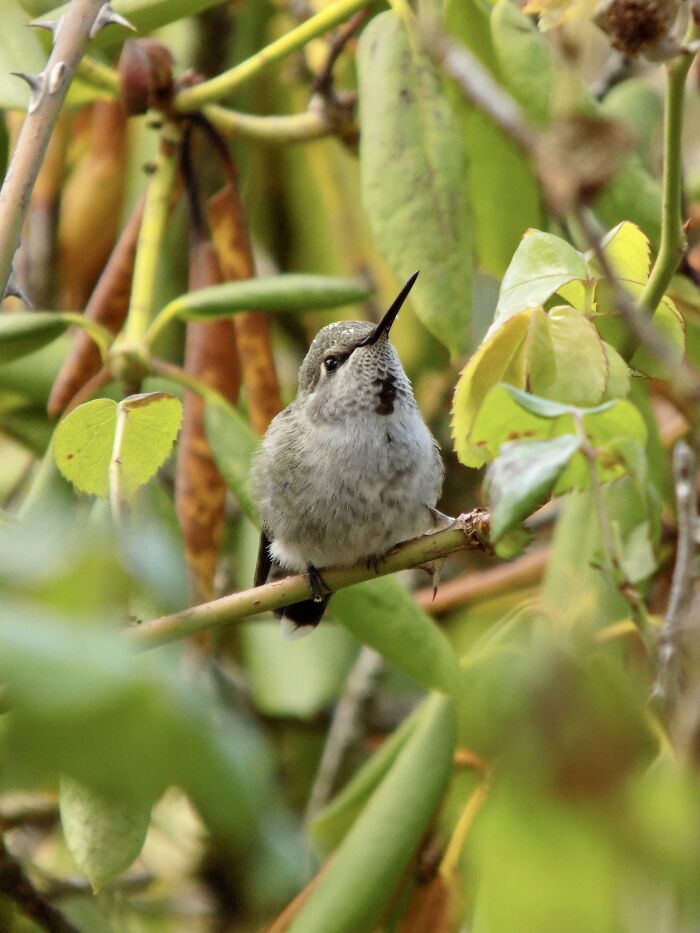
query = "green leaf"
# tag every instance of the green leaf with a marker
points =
(414, 177)
(566, 359)
(104, 834)
(495, 162)
(23, 332)
(669, 322)
(640, 105)
(84, 440)
(20, 50)
(525, 59)
(299, 678)
(351, 895)
(382, 613)
(233, 445)
(628, 252)
(332, 823)
(289, 292)
(523, 476)
(636, 552)
(541, 265)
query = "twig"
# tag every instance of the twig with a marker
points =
(16, 886)
(672, 236)
(193, 98)
(48, 90)
(323, 82)
(469, 532)
(669, 681)
(346, 726)
(151, 233)
(480, 89)
(299, 127)
(481, 584)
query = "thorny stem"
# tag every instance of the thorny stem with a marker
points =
(153, 225)
(45, 105)
(672, 236)
(209, 91)
(469, 532)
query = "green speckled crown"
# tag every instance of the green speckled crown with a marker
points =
(342, 336)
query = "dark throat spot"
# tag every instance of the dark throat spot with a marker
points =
(386, 396)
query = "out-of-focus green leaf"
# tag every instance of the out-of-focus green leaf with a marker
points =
(525, 59)
(414, 177)
(383, 614)
(522, 476)
(351, 895)
(541, 265)
(233, 445)
(637, 557)
(495, 162)
(84, 440)
(668, 320)
(298, 678)
(639, 104)
(289, 292)
(20, 50)
(633, 195)
(23, 332)
(104, 834)
(332, 823)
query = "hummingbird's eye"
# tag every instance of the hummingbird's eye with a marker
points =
(331, 363)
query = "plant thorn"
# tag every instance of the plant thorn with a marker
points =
(107, 17)
(36, 85)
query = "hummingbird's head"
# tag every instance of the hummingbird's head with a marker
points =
(352, 364)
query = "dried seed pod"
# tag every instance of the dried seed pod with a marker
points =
(635, 26)
(145, 75)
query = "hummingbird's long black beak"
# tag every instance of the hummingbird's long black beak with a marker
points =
(384, 326)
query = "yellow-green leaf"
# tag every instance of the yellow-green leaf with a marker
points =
(84, 441)
(628, 252)
(104, 833)
(23, 332)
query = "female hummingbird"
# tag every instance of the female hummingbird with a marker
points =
(349, 469)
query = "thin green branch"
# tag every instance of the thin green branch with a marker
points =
(298, 127)
(46, 100)
(194, 98)
(469, 532)
(153, 225)
(672, 235)
(101, 336)
(99, 75)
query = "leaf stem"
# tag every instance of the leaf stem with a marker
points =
(298, 127)
(194, 98)
(153, 225)
(116, 500)
(672, 236)
(102, 337)
(469, 532)
(99, 75)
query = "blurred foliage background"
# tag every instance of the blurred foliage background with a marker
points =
(487, 760)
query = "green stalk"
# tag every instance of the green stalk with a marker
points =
(672, 235)
(155, 216)
(101, 76)
(194, 98)
(102, 337)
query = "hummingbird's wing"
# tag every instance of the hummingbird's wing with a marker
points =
(262, 568)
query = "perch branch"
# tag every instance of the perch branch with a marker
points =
(49, 89)
(468, 532)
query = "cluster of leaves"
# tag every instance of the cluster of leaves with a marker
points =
(529, 786)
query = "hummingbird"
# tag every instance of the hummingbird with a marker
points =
(349, 469)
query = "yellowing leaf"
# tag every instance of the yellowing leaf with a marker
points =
(500, 352)
(628, 252)
(84, 441)
(670, 323)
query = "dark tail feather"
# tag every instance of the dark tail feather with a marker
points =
(301, 619)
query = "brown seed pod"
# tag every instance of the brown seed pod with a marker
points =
(636, 25)
(145, 75)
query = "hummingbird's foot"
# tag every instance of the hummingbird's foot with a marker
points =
(439, 519)
(318, 586)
